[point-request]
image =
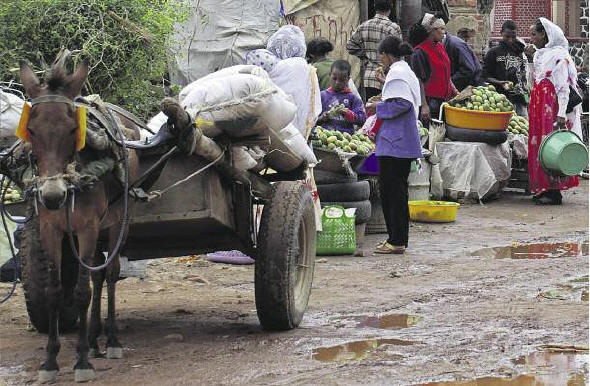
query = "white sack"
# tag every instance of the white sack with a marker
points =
(242, 159)
(234, 70)
(268, 107)
(288, 149)
(11, 107)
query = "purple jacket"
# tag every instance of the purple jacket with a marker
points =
(398, 135)
(350, 101)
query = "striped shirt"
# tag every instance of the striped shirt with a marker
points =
(364, 43)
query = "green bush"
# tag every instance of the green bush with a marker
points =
(125, 40)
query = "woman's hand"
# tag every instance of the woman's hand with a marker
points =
(425, 113)
(529, 51)
(379, 75)
(560, 124)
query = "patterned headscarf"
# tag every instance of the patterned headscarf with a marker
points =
(262, 58)
(287, 42)
(430, 22)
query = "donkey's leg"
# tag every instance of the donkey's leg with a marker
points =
(114, 348)
(51, 240)
(95, 321)
(83, 370)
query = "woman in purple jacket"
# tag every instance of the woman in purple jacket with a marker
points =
(398, 143)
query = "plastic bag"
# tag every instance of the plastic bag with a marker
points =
(338, 235)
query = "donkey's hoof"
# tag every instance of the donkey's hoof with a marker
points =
(114, 352)
(83, 375)
(47, 376)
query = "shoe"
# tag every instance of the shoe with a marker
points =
(546, 200)
(387, 249)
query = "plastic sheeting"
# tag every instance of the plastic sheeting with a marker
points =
(520, 145)
(219, 33)
(471, 169)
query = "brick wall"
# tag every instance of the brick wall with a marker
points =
(523, 12)
(584, 18)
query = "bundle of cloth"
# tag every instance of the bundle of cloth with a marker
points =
(275, 94)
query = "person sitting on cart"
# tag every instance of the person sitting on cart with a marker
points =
(341, 108)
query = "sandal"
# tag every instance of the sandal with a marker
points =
(387, 249)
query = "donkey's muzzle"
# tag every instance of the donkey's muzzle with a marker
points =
(53, 193)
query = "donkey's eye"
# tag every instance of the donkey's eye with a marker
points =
(31, 132)
(73, 131)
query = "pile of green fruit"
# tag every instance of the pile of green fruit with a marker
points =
(518, 125)
(12, 194)
(357, 143)
(485, 98)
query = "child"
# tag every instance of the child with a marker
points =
(341, 108)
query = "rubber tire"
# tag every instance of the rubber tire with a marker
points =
(363, 209)
(469, 135)
(351, 191)
(326, 178)
(287, 241)
(34, 263)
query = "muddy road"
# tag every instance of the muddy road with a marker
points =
(467, 303)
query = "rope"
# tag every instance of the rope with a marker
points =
(71, 175)
(158, 193)
(124, 221)
(5, 226)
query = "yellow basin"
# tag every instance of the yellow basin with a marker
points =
(433, 211)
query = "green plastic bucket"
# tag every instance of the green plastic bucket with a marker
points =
(562, 153)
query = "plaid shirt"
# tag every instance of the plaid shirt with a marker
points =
(365, 41)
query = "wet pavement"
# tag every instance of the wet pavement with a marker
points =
(540, 368)
(356, 351)
(390, 321)
(441, 312)
(536, 251)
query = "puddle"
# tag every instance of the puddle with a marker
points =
(356, 351)
(536, 251)
(391, 321)
(542, 368)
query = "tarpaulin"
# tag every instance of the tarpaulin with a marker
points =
(219, 33)
(292, 6)
(334, 20)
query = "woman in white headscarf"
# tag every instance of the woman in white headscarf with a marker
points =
(554, 72)
(292, 74)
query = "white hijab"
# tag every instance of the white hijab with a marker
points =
(555, 53)
(401, 82)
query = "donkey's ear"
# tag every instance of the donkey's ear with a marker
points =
(29, 80)
(78, 78)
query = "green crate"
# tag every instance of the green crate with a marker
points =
(338, 236)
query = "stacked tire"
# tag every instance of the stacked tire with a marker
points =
(354, 194)
(348, 192)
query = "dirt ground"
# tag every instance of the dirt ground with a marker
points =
(472, 316)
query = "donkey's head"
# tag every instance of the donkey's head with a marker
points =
(53, 126)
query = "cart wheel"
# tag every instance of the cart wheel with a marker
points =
(34, 270)
(286, 256)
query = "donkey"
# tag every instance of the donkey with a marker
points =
(53, 130)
